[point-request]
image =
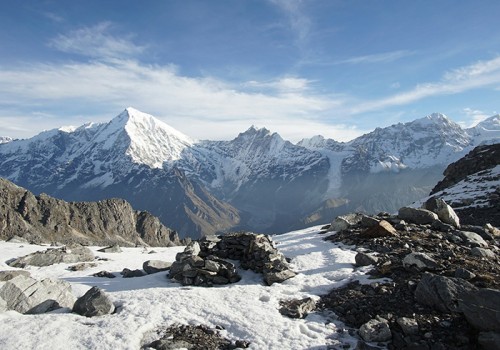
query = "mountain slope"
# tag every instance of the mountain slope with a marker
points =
(257, 181)
(44, 219)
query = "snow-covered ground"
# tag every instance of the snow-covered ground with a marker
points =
(247, 310)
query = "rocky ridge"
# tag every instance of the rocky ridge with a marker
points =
(437, 285)
(43, 219)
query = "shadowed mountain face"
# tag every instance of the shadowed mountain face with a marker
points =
(44, 219)
(258, 181)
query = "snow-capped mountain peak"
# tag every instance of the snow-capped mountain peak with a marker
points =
(487, 131)
(150, 141)
(5, 139)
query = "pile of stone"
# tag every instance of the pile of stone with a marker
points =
(444, 282)
(191, 269)
(256, 252)
(195, 337)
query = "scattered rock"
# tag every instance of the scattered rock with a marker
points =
(444, 212)
(464, 274)
(127, 273)
(343, 222)
(111, 249)
(10, 274)
(472, 239)
(375, 330)
(417, 216)
(195, 338)
(279, 276)
(29, 296)
(297, 308)
(421, 261)
(368, 221)
(363, 259)
(105, 274)
(408, 325)
(94, 303)
(69, 254)
(382, 229)
(483, 253)
(154, 266)
(81, 266)
(440, 292)
(492, 230)
(482, 308)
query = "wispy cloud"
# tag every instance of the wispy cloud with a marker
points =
(96, 42)
(192, 104)
(477, 75)
(282, 85)
(298, 21)
(475, 117)
(385, 57)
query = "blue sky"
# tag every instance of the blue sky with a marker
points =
(213, 68)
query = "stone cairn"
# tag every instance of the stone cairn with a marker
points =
(202, 263)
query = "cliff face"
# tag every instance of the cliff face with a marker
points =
(46, 219)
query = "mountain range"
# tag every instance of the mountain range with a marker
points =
(257, 181)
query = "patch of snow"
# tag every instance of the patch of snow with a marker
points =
(247, 309)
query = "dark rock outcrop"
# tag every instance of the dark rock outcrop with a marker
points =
(94, 303)
(43, 219)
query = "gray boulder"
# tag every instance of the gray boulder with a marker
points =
(297, 308)
(343, 222)
(69, 254)
(111, 249)
(481, 308)
(441, 293)
(375, 330)
(445, 213)
(421, 261)
(472, 239)
(483, 253)
(94, 303)
(417, 216)
(363, 259)
(278, 277)
(30, 296)
(464, 274)
(17, 239)
(154, 266)
(128, 273)
(10, 274)
(408, 325)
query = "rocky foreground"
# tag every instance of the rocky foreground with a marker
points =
(442, 281)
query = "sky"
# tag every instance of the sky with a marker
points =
(212, 69)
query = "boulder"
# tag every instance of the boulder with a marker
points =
(73, 253)
(495, 232)
(440, 292)
(375, 330)
(421, 261)
(363, 259)
(472, 239)
(128, 273)
(154, 266)
(444, 212)
(94, 303)
(408, 325)
(105, 274)
(343, 222)
(481, 308)
(29, 296)
(111, 249)
(10, 274)
(417, 216)
(297, 308)
(483, 253)
(381, 229)
(278, 277)
(464, 274)
(368, 221)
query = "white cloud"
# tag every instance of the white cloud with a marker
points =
(184, 102)
(299, 22)
(477, 75)
(475, 117)
(96, 42)
(283, 85)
